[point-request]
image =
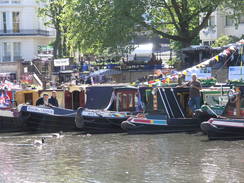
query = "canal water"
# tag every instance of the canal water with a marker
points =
(120, 158)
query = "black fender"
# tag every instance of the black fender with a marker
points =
(79, 120)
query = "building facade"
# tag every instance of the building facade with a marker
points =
(22, 34)
(221, 23)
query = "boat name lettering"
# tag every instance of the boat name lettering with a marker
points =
(40, 110)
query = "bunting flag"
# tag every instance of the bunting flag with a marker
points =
(2, 99)
(7, 99)
(168, 80)
(217, 58)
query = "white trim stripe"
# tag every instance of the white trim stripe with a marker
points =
(230, 124)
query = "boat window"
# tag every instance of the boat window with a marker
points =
(131, 100)
(153, 103)
(118, 99)
(124, 102)
(28, 98)
(215, 100)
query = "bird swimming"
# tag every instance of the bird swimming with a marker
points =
(39, 142)
(58, 135)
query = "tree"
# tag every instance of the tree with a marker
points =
(98, 24)
(53, 11)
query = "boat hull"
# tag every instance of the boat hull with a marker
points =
(166, 126)
(97, 121)
(48, 119)
(224, 129)
(10, 121)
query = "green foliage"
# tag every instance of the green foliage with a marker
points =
(174, 62)
(53, 12)
(109, 26)
(224, 40)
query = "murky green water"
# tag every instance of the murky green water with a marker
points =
(121, 158)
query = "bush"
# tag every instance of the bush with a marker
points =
(224, 40)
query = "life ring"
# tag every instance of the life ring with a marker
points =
(232, 95)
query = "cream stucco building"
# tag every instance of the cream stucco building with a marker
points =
(221, 23)
(22, 33)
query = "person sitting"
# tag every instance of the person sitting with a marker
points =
(42, 100)
(53, 99)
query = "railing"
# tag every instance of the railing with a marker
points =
(9, 2)
(6, 58)
(18, 58)
(9, 59)
(26, 32)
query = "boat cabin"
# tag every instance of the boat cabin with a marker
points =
(124, 99)
(71, 97)
(112, 97)
(74, 97)
(167, 102)
(216, 98)
(60, 96)
(26, 97)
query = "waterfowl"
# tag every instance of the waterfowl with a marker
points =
(58, 135)
(39, 142)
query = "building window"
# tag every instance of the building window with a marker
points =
(241, 20)
(17, 51)
(8, 1)
(11, 51)
(4, 1)
(229, 21)
(4, 22)
(16, 22)
(206, 43)
(6, 52)
(211, 21)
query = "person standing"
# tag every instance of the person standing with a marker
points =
(53, 99)
(194, 94)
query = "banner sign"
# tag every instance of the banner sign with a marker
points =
(202, 73)
(236, 73)
(61, 62)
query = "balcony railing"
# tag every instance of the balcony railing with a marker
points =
(17, 58)
(9, 59)
(6, 58)
(9, 2)
(26, 32)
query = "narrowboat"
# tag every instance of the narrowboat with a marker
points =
(229, 125)
(106, 108)
(51, 118)
(165, 111)
(47, 118)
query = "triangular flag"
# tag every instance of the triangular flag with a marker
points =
(217, 58)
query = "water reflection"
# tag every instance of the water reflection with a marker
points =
(120, 158)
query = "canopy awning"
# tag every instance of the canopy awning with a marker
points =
(104, 72)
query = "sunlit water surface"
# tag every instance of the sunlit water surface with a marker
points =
(113, 158)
